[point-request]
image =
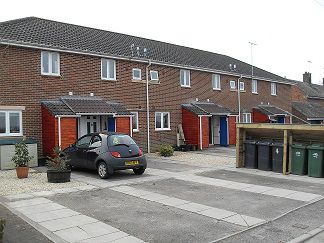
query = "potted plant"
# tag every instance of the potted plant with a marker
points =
(21, 159)
(58, 170)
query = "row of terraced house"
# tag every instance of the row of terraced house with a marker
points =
(60, 81)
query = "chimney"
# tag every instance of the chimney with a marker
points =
(307, 77)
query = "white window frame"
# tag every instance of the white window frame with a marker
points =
(216, 82)
(140, 72)
(242, 86)
(162, 124)
(186, 76)
(135, 113)
(50, 64)
(245, 116)
(7, 119)
(254, 86)
(157, 74)
(231, 86)
(108, 61)
(273, 89)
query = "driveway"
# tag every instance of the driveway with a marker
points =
(179, 200)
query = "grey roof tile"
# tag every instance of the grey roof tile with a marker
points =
(212, 109)
(42, 33)
(271, 110)
(57, 107)
(310, 110)
(312, 90)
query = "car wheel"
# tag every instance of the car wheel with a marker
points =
(103, 170)
(139, 171)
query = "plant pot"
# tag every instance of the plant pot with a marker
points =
(54, 176)
(22, 171)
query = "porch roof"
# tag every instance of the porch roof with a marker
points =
(271, 110)
(208, 108)
(84, 105)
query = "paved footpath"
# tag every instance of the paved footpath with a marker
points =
(174, 202)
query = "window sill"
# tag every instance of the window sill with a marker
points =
(4, 135)
(113, 80)
(256, 93)
(144, 81)
(50, 75)
(233, 90)
(161, 130)
(135, 130)
(242, 91)
(187, 87)
(217, 89)
(273, 95)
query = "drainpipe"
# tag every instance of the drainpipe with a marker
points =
(59, 130)
(200, 133)
(148, 107)
(239, 98)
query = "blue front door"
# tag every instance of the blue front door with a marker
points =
(111, 124)
(223, 131)
(281, 119)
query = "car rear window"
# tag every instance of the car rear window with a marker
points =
(115, 140)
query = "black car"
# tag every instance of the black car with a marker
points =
(106, 153)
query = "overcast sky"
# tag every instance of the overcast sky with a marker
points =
(288, 33)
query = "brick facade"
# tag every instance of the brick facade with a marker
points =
(22, 84)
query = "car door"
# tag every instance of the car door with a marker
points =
(82, 146)
(93, 151)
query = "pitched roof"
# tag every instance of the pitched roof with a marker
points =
(200, 108)
(42, 33)
(312, 90)
(310, 110)
(271, 110)
(81, 105)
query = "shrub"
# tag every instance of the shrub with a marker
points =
(58, 162)
(21, 157)
(166, 150)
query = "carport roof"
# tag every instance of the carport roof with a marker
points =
(208, 108)
(83, 105)
(271, 110)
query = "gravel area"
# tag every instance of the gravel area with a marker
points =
(36, 181)
(201, 159)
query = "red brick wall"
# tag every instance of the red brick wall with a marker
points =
(232, 130)
(190, 125)
(68, 131)
(49, 132)
(205, 132)
(259, 117)
(123, 125)
(21, 83)
(297, 94)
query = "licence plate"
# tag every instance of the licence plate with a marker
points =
(134, 162)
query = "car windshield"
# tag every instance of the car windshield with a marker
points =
(115, 140)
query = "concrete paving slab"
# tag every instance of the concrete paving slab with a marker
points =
(97, 229)
(193, 207)
(128, 239)
(251, 220)
(217, 213)
(123, 188)
(65, 190)
(155, 197)
(303, 196)
(173, 201)
(257, 189)
(137, 192)
(43, 193)
(59, 224)
(39, 208)
(19, 196)
(86, 188)
(73, 234)
(236, 219)
(278, 192)
(106, 238)
(29, 202)
(50, 215)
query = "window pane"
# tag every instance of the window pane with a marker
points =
(135, 120)
(45, 62)
(187, 78)
(216, 81)
(104, 68)
(137, 74)
(55, 60)
(115, 140)
(241, 86)
(2, 122)
(165, 120)
(154, 75)
(111, 66)
(158, 120)
(182, 77)
(14, 121)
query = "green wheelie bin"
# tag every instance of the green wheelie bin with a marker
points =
(316, 160)
(299, 159)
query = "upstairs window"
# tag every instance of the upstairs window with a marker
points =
(216, 82)
(185, 78)
(162, 121)
(108, 69)
(154, 75)
(242, 86)
(273, 89)
(232, 85)
(254, 86)
(10, 123)
(246, 117)
(137, 74)
(50, 62)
